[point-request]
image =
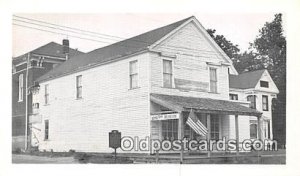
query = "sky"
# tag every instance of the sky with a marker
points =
(239, 28)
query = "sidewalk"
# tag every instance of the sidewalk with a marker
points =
(30, 159)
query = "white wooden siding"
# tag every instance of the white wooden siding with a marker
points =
(107, 104)
(194, 55)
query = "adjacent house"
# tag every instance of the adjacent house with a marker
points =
(26, 69)
(167, 72)
(258, 88)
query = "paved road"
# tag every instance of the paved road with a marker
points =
(28, 159)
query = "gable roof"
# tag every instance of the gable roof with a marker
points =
(245, 80)
(50, 49)
(112, 52)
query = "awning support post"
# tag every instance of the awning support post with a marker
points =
(259, 124)
(237, 136)
(181, 134)
(208, 134)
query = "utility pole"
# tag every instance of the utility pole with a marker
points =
(26, 102)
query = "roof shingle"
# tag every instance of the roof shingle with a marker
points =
(207, 104)
(50, 49)
(112, 52)
(245, 80)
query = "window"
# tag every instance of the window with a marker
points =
(265, 103)
(252, 99)
(133, 74)
(35, 108)
(46, 129)
(189, 133)
(267, 129)
(14, 69)
(264, 84)
(167, 73)
(170, 129)
(233, 96)
(79, 86)
(33, 63)
(36, 105)
(213, 80)
(21, 87)
(46, 94)
(214, 127)
(253, 129)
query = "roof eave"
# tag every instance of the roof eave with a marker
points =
(91, 66)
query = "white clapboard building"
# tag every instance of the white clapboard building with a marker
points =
(146, 86)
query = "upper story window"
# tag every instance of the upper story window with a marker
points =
(21, 87)
(35, 108)
(213, 80)
(46, 130)
(133, 74)
(34, 63)
(79, 86)
(233, 96)
(46, 94)
(252, 99)
(265, 103)
(264, 84)
(167, 73)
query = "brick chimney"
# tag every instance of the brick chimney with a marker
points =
(66, 48)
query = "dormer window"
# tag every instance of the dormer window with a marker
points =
(264, 84)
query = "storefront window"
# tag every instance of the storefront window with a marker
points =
(189, 133)
(215, 127)
(170, 129)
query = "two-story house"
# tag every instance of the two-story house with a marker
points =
(258, 88)
(40, 60)
(144, 86)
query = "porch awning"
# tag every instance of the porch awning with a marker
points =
(205, 105)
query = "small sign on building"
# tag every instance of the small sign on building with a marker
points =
(165, 116)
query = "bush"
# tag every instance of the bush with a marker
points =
(82, 157)
(17, 150)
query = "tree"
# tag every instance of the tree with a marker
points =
(268, 51)
(227, 46)
(270, 48)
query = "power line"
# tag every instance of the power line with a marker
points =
(67, 27)
(63, 29)
(59, 33)
(164, 46)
